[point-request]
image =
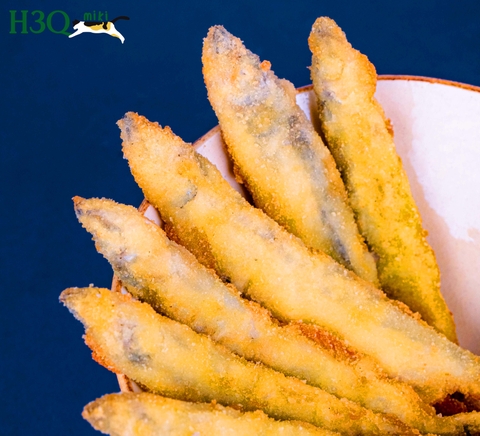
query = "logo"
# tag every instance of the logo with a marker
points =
(107, 27)
(58, 22)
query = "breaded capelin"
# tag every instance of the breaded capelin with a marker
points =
(169, 358)
(275, 268)
(470, 421)
(360, 138)
(145, 414)
(278, 155)
(169, 278)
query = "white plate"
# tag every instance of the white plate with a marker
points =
(437, 135)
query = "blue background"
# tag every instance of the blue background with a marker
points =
(59, 101)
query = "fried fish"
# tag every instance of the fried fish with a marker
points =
(273, 267)
(169, 278)
(147, 414)
(277, 153)
(361, 141)
(170, 359)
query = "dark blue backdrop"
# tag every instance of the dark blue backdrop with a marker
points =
(59, 101)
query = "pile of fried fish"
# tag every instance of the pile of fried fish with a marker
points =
(315, 311)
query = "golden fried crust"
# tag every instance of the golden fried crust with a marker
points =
(470, 421)
(361, 141)
(174, 283)
(169, 358)
(147, 414)
(277, 153)
(328, 340)
(275, 268)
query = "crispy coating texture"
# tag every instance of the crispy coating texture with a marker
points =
(278, 155)
(470, 421)
(170, 359)
(169, 278)
(361, 141)
(147, 414)
(273, 267)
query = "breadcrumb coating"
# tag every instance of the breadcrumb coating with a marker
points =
(169, 358)
(275, 268)
(169, 278)
(277, 153)
(361, 141)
